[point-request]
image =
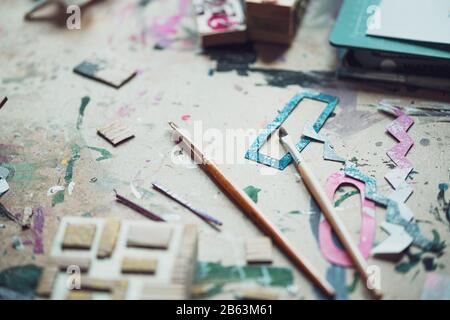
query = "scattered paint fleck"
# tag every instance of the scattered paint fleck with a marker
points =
(21, 279)
(344, 197)
(185, 117)
(87, 215)
(351, 288)
(53, 190)
(252, 192)
(424, 142)
(104, 154)
(17, 243)
(84, 103)
(38, 230)
(217, 275)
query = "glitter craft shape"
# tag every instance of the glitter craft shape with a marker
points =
(328, 150)
(280, 164)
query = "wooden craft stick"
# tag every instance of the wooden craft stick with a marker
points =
(315, 188)
(249, 207)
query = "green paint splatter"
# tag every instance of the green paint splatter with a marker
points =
(295, 212)
(59, 196)
(144, 192)
(87, 215)
(413, 260)
(84, 103)
(219, 275)
(429, 264)
(252, 192)
(351, 288)
(344, 197)
(104, 154)
(22, 279)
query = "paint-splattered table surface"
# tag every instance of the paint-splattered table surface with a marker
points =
(48, 138)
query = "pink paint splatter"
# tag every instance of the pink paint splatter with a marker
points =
(38, 230)
(185, 117)
(125, 111)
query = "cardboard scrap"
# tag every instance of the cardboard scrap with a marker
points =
(220, 22)
(109, 238)
(106, 71)
(115, 133)
(139, 265)
(259, 250)
(157, 236)
(46, 281)
(79, 236)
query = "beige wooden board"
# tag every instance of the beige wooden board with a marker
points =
(79, 236)
(174, 265)
(155, 236)
(38, 124)
(46, 281)
(109, 238)
(139, 265)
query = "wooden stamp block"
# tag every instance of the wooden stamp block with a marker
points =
(46, 281)
(258, 250)
(109, 238)
(273, 21)
(139, 265)
(157, 236)
(220, 22)
(115, 133)
(79, 236)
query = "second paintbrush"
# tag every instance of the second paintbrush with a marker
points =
(186, 204)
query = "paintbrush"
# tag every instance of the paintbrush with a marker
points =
(315, 188)
(138, 208)
(2, 103)
(248, 206)
(203, 215)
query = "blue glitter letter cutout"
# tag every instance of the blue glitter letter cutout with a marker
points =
(253, 152)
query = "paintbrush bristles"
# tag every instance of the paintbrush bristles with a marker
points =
(173, 125)
(282, 132)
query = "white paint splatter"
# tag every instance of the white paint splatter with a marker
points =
(54, 190)
(70, 187)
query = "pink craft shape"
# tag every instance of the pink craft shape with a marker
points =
(329, 249)
(398, 130)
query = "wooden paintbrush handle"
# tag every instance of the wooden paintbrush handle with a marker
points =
(317, 191)
(249, 207)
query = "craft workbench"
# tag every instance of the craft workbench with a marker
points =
(47, 139)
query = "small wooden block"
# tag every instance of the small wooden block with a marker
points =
(220, 22)
(115, 133)
(79, 295)
(65, 262)
(157, 236)
(157, 291)
(46, 281)
(273, 21)
(139, 265)
(259, 250)
(79, 236)
(259, 294)
(117, 288)
(109, 238)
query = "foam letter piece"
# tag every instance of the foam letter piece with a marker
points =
(253, 152)
(398, 240)
(368, 223)
(328, 150)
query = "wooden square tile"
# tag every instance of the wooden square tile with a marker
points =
(157, 236)
(258, 250)
(79, 236)
(139, 265)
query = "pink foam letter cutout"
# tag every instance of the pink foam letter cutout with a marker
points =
(368, 223)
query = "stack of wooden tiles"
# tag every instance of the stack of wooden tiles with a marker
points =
(274, 21)
(120, 259)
